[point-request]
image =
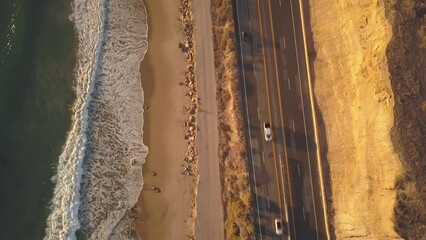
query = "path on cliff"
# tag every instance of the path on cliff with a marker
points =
(209, 221)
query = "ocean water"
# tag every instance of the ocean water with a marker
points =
(71, 117)
(99, 174)
(37, 46)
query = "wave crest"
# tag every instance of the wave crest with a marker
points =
(99, 174)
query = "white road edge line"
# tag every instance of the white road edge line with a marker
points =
(288, 81)
(298, 168)
(304, 121)
(248, 121)
(318, 157)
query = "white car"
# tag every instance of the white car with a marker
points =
(267, 131)
(278, 226)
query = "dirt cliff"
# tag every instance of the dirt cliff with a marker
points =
(355, 103)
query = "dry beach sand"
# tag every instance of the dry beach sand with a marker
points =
(168, 130)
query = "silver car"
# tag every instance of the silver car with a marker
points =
(267, 131)
(278, 226)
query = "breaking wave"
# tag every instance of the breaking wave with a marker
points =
(99, 174)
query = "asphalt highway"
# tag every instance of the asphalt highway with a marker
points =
(285, 173)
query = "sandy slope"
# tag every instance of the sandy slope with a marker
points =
(353, 92)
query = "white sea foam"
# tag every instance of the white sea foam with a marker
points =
(99, 173)
(10, 33)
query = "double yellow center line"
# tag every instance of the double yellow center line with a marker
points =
(267, 95)
(277, 173)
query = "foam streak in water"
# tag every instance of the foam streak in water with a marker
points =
(99, 171)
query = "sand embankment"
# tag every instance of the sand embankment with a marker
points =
(355, 99)
(166, 206)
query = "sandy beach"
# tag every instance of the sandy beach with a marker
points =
(167, 214)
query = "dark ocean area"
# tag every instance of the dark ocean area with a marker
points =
(37, 57)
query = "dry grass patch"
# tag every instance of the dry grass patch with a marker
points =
(236, 194)
(406, 54)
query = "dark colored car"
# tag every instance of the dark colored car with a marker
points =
(245, 37)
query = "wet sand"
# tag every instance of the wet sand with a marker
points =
(166, 214)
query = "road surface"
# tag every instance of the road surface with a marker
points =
(285, 173)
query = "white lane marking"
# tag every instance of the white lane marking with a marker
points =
(282, 44)
(288, 81)
(285, 200)
(254, 70)
(294, 126)
(280, 3)
(258, 113)
(251, 146)
(296, 76)
(269, 203)
(263, 157)
(304, 120)
(285, 44)
(303, 209)
(298, 168)
(249, 26)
